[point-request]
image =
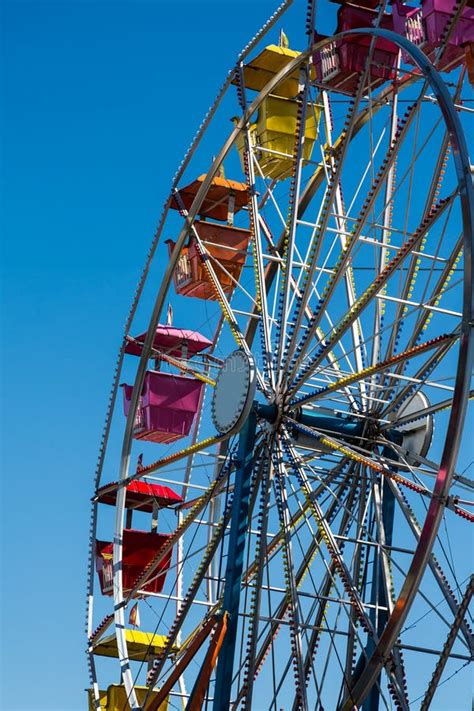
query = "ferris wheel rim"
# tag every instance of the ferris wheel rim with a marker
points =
(462, 385)
(114, 389)
(193, 212)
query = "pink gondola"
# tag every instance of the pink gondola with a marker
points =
(176, 342)
(425, 26)
(408, 21)
(437, 14)
(167, 407)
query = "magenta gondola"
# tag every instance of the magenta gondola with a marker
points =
(426, 26)
(167, 407)
(176, 342)
(341, 62)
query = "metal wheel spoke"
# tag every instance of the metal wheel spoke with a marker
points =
(369, 294)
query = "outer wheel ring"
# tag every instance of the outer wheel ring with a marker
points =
(464, 365)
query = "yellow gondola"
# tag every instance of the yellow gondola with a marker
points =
(115, 698)
(275, 128)
(139, 644)
(269, 62)
(273, 135)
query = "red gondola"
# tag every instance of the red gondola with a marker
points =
(141, 496)
(139, 549)
(340, 63)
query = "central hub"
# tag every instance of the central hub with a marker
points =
(234, 392)
(234, 398)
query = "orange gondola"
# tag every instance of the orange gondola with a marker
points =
(223, 199)
(225, 251)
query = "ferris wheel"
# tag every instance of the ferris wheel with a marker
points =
(282, 501)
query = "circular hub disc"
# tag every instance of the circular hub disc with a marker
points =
(234, 392)
(416, 435)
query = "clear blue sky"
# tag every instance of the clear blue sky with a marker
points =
(100, 100)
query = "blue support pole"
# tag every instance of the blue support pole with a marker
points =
(343, 426)
(235, 562)
(372, 701)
